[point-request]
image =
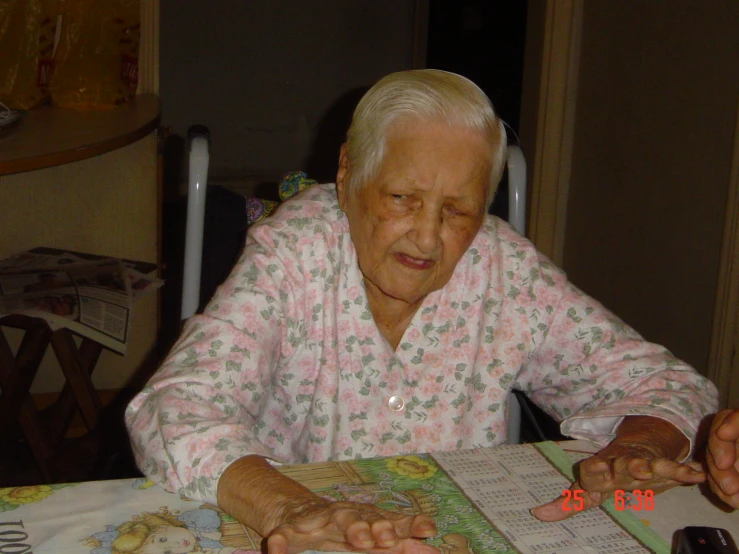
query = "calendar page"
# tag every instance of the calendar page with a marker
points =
(504, 483)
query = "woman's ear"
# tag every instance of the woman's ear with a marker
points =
(342, 176)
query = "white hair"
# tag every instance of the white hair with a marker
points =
(428, 94)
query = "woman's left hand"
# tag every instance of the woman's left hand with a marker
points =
(642, 456)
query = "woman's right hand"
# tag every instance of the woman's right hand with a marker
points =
(295, 519)
(323, 525)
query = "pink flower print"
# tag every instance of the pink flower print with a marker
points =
(307, 368)
(430, 434)
(391, 379)
(547, 297)
(222, 310)
(250, 318)
(356, 424)
(319, 432)
(440, 410)
(311, 297)
(243, 341)
(481, 416)
(473, 282)
(446, 313)
(566, 326)
(307, 390)
(341, 443)
(430, 387)
(597, 318)
(234, 357)
(349, 402)
(413, 336)
(503, 332)
(344, 327)
(353, 293)
(421, 434)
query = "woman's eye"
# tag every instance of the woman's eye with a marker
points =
(162, 539)
(399, 196)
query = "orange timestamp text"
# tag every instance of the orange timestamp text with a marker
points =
(636, 500)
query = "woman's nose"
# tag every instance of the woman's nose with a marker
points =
(427, 231)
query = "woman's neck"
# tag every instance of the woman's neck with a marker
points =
(391, 315)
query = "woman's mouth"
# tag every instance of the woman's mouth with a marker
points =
(413, 263)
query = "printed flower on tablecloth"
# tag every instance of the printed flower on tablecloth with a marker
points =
(142, 483)
(412, 467)
(12, 497)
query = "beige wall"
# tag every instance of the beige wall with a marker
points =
(651, 157)
(103, 205)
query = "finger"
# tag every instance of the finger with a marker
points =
(346, 518)
(629, 472)
(359, 535)
(384, 533)
(284, 540)
(686, 474)
(731, 500)
(412, 546)
(407, 546)
(568, 505)
(728, 426)
(723, 439)
(727, 481)
(598, 475)
(422, 526)
(277, 544)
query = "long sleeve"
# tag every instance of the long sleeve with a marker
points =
(201, 410)
(590, 369)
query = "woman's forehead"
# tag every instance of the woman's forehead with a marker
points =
(421, 157)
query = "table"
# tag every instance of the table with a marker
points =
(44, 433)
(52, 136)
(90, 517)
(87, 181)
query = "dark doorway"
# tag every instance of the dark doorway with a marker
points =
(484, 41)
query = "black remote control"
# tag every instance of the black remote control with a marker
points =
(705, 540)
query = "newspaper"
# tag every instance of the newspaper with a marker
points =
(89, 295)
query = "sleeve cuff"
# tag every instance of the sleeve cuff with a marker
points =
(601, 430)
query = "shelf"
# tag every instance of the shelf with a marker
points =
(52, 136)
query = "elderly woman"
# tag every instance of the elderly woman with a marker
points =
(389, 314)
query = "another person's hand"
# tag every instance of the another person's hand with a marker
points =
(349, 526)
(722, 456)
(642, 456)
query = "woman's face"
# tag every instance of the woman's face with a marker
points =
(411, 225)
(170, 540)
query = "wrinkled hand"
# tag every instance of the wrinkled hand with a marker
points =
(642, 456)
(349, 526)
(722, 456)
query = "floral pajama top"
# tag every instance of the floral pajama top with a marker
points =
(287, 362)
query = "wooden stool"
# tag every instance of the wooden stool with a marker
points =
(45, 431)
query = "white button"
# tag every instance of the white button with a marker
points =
(396, 403)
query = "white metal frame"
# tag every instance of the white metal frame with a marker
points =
(517, 218)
